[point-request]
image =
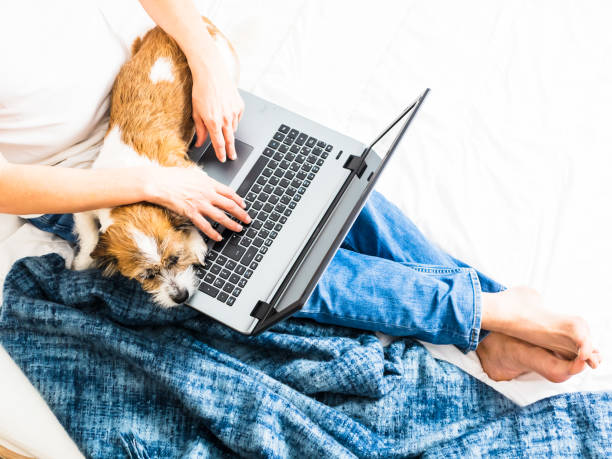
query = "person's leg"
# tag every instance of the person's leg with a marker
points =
(382, 230)
(436, 304)
(388, 277)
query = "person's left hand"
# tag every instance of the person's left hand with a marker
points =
(217, 106)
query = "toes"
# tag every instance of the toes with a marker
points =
(595, 360)
(578, 330)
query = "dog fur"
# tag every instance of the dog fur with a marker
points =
(150, 124)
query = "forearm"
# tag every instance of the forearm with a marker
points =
(32, 189)
(181, 20)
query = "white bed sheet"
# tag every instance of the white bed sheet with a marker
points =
(507, 165)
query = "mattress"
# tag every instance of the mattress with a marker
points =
(507, 165)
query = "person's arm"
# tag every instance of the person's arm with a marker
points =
(33, 189)
(217, 105)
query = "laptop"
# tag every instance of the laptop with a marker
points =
(304, 185)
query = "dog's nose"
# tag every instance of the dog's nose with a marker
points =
(180, 297)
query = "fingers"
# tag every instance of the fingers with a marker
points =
(226, 191)
(233, 209)
(218, 141)
(203, 225)
(200, 130)
(221, 217)
(230, 147)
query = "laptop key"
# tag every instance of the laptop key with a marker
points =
(320, 162)
(301, 139)
(240, 269)
(284, 128)
(224, 273)
(310, 142)
(248, 256)
(293, 133)
(257, 242)
(267, 172)
(235, 252)
(268, 152)
(285, 199)
(279, 172)
(212, 255)
(256, 188)
(273, 144)
(219, 282)
(208, 289)
(321, 144)
(209, 278)
(263, 234)
(274, 180)
(283, 220)
(258, 259)
(311, 176)
(231, 264)
(317, 151)
(242, 283)
(254, 265)
(279, 226)
(329, 148)
(222, 297)
(215, 269)
(256, 224)
(268, 189)
(277, 156)
(294, 148)
(228, 288)
(273, 199)
(237, 291)
(248, 273)
(283, 148)
(263, 250)
(269, 225)
(234, 278)
(230, 301)
(279, 136)
(268, 207)
(257, 205)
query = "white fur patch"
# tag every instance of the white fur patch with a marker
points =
(116, 153)
(104, 216)
(146, 245)
(196, 245)
(87, 231)
(161, 70)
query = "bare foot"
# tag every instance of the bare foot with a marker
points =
(504, 358)
(519, 312)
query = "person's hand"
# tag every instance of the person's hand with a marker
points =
(217, 107)
(190, 192)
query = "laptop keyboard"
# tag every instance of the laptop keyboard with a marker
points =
(272, 189)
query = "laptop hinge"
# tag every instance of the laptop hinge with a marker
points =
(356, 164)
(261, 310)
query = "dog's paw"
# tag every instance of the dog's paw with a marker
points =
(200, 250)
(82, 261)
(197, 246)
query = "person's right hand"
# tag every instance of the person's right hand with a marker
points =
(190, 192)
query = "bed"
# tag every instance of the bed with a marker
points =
(507, 165)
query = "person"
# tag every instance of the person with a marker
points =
(386, 277)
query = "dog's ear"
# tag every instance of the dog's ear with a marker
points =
(179, 222)
(104, 260)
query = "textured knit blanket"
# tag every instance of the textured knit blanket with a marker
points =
(128, 379)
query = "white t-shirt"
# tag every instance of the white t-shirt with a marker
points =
(58, 61)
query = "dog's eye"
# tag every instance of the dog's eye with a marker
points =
(149, 274)
(172, 261)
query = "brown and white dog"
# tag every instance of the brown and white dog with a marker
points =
(150, 124)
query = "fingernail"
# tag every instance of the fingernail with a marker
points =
(243, 205)
(219, 238)
(239, 227)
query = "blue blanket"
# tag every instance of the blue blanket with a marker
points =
(127, 378)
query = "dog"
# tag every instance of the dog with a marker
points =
(150, 124)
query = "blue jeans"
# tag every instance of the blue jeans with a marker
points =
(386, 277)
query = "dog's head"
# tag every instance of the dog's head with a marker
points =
(153, 246)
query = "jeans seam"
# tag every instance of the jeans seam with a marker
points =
(450, 331)
(477, 308)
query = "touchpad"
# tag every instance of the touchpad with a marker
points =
(224, 172)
